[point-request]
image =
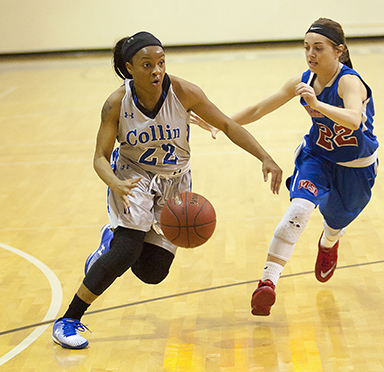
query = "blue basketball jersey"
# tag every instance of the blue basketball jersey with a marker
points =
(332, 141)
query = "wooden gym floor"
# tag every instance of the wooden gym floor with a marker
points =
(198, 319)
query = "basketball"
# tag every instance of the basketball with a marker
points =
(188, 220)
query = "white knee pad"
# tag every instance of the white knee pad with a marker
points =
(280, 249)
(294, 220)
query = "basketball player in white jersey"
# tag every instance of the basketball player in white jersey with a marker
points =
(149, 116)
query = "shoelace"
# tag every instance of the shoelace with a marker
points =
(71, 327)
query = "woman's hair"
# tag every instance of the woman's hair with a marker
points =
(127, 47)
(118, 60)
(336, 27)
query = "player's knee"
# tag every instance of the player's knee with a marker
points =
(153, 265)
(151, 276)
(294, 221)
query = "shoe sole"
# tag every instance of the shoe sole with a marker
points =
(88, 260)
(265, 299)
(66, 346)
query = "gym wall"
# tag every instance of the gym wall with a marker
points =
(53, 25)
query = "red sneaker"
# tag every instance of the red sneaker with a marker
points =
(326, 262)
(263, 298)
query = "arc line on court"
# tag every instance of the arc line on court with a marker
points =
(56, 300)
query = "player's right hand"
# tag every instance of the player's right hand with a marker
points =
(123, 189)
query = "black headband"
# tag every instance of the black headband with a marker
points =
(327, 32)
(137, 42)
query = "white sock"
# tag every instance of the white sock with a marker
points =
(328, 241)
(272, 271)
(330, 236)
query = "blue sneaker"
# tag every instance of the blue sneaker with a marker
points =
(105, 245)
(66, 333)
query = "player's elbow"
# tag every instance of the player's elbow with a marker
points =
(355, 127)
(97, 161)
(355, 122)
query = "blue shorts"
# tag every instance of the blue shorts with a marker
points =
(340, 192)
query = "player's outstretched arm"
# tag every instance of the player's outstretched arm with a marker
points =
(257, 111)
(269, 104)
(194, 99)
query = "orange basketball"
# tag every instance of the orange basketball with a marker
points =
(188, 220)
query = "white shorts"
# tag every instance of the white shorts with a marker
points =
(150, 197)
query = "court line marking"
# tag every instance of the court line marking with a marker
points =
(56, 300)
(186, 294)
(8, 91)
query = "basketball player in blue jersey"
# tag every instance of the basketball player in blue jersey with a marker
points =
(149, 115)
(336, 163)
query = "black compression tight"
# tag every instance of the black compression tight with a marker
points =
(126, 247)
(153, 265)
(149, 262)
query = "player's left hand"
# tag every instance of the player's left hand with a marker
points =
(269, 166)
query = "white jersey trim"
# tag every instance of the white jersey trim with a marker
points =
(361, 162)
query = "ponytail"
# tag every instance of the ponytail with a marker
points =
(344, 58)
(118, 60)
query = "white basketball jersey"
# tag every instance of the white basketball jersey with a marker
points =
(156, 141)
